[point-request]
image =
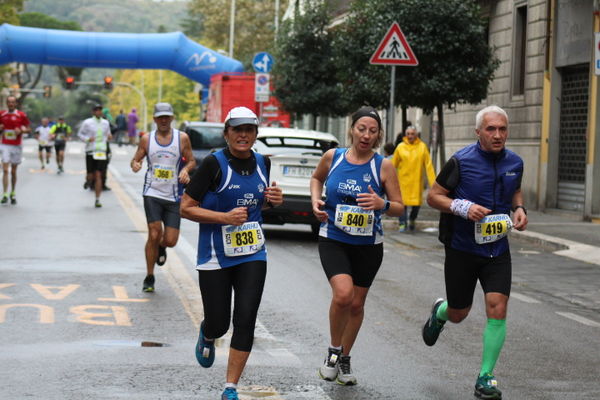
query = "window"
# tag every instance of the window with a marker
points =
(519, 51)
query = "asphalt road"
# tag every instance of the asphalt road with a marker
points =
(73, 317)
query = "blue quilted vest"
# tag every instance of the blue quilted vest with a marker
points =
(490, 180)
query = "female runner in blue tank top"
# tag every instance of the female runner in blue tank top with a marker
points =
(356, 180)
(226, 195)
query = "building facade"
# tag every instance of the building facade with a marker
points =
(546, 83)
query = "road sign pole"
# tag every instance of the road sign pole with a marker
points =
(391, 114)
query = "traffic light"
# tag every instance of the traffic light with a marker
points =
(69, 83)
(108, 82)
(47, 91)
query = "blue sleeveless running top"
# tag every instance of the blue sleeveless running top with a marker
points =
(344, 182)
(234, 190)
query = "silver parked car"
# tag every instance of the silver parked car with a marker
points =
(294, 154)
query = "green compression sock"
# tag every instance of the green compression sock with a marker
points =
(442, 312)
(493, 340)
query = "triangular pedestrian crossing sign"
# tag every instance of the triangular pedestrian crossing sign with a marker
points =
(394, 49)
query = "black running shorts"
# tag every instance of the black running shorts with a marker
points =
(462, 270)
(361, 262)
(162, 210)
(92, 165)
(60, 145)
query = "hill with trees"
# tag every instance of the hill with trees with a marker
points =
(131, 16)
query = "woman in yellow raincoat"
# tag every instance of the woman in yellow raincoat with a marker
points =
(411, 158)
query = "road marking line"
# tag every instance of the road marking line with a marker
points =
(528, 251)
(269, 393)
(437, 265)
(76, 150)
(580, 319)
(524, 298)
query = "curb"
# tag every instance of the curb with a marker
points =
(547, 242)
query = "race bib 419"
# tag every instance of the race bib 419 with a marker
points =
(492, 228)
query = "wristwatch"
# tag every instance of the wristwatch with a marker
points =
(524, 209)
(387, 206)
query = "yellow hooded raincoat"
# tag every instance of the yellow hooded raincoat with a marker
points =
(410, 160)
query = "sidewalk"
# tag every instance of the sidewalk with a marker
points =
(554, 230)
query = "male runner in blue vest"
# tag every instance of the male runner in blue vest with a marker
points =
(480, 180)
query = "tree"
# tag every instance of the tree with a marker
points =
(9, 10)
(456, 65)
(8, 14)
(254, 25)
(176, 89)
(29, 79)
(305, 72)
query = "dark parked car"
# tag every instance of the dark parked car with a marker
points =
(206, 138)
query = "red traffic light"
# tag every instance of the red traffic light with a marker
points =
(108, 82)
(69, 82)
(47, 91)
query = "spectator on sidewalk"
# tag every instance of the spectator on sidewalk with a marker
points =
(411, 158)
(132, 120)
(121, 122)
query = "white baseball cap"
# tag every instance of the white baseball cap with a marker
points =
(161, 109)
(240, 116)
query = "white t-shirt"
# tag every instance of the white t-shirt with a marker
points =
(43, 133)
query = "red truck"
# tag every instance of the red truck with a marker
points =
(228, 90)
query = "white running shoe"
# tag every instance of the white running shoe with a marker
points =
(329, 369)
(345, 376)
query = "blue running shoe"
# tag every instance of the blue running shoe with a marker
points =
(433, 326)
(230, 394)
(205, 352)
(486, 387)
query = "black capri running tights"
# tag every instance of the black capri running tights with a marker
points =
(216, 286)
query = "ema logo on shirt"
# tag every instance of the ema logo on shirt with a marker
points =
(247, 201)
(351, 185)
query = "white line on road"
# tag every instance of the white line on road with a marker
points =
(578, 318)
(437, 265)
(524, 298)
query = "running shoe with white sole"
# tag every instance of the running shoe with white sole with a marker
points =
(205, 350)
(162, 256)
(345, 375)
(329, 369)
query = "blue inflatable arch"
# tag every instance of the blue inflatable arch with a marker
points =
(173, 51)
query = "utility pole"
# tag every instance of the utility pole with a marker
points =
(276, 18)
(231, 28)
